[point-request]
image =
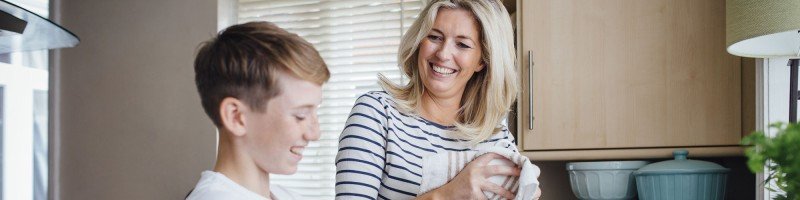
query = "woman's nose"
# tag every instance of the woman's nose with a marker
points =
(443, 52)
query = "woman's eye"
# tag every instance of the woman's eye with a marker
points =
(433, 37)
(462, 45)
(300, 117)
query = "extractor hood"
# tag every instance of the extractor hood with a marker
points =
(22, 30)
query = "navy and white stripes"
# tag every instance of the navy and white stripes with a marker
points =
(381, 149)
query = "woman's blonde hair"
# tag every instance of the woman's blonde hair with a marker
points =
(490, 93)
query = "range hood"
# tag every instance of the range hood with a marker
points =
(22, 30)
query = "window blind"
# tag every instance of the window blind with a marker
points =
(357, 39)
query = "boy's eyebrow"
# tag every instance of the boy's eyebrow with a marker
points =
(311, 106)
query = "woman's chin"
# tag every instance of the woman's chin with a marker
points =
(439, 87)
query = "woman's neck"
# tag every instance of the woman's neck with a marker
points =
(440, 109)
(237, 165)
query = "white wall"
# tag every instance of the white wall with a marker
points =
(129, 121)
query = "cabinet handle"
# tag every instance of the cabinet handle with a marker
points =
(530, 90)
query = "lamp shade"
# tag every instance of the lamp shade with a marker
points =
(763, 28)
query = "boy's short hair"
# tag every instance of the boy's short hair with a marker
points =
(243, 61)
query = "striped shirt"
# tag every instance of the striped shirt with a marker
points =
(381, 149)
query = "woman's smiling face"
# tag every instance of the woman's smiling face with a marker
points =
(451, 53)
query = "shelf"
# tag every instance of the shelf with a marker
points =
(623, 154)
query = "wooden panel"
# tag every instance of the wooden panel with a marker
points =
(624, 154)
(628, 74)
(748, 96)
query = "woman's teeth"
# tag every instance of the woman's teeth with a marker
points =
(297, 150)
(442, 70)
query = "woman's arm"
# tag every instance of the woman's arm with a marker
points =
(361, 157)
(432, 195)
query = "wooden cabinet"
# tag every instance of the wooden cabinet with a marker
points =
(626, 79)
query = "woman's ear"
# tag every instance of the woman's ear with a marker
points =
(483, 65)
(231, 114)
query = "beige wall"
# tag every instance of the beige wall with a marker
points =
(131, 125)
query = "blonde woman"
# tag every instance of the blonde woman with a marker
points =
(459, 57)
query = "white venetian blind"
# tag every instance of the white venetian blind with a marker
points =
(357, 39)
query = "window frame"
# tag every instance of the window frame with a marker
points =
(772, 90)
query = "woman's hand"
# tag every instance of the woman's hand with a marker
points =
(473, 180)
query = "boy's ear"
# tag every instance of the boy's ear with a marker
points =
(231, 114)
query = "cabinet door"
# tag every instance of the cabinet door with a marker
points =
(627, 74)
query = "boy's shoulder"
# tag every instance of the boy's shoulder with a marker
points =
(282, 193)
(214, 185)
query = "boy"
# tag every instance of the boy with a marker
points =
(260, 85)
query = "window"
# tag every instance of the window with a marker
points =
(24, 131)
(40, 144)
(24, 118)
(1, 139)
(772, 92)
(357, 39)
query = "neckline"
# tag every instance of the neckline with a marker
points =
(426, 121)
(236, 186)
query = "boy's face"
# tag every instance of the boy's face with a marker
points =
(276, 138)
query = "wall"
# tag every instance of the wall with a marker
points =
(129, 122)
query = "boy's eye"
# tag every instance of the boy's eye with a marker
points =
(300, 117)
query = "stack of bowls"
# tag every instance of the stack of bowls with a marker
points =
(603, 180)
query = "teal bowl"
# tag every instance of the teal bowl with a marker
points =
(681, 179)
(603, 180)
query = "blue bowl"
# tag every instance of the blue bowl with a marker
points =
(603, 180)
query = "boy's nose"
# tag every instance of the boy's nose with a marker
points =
(313, 133)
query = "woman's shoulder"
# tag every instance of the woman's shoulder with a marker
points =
(501, 134)
(375, 105)
(503, 138)
(503, 131)
(380, 96)
(375, 98)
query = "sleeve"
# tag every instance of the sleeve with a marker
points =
(506, 138)
(362, 151)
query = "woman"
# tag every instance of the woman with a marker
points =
(459, 56)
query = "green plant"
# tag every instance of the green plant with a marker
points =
(783, 154)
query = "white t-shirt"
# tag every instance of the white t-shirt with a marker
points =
(214, 186)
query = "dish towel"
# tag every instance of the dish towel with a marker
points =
(438, 169)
